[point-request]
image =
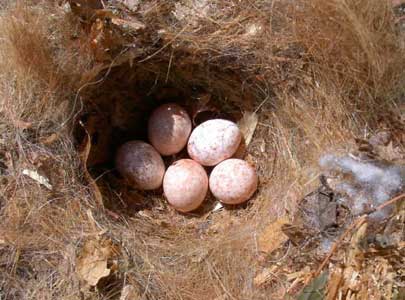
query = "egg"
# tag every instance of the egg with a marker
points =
(214, 141)
(233, 181)
(185, 185)
(140, 164)
(169, 127)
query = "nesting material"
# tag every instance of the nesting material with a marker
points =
(141, 165)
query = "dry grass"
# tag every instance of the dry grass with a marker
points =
(322, 71)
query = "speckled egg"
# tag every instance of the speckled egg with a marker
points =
(233, 181)
(140, 164)
(185, 185)
(214, 141)
(169, 127)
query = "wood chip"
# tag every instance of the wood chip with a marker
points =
(264, 276)
(335, 280)
(38, 178)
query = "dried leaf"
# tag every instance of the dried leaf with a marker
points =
(247, 126)
(38, 178)
(272, 236)
(92, 263)
(99, 130)
(84, 155)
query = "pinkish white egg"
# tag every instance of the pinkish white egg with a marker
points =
(140, 164)
(214, 141)
(233, 181)
(185, 185)
(169, 128)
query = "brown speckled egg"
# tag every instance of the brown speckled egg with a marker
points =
(185, 185)
(214, 141)
(169, 128)
(233, 181)
(140, 164)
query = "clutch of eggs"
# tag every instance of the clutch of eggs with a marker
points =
(185, 183)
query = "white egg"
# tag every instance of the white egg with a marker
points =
(214, 141)
(140, 164)
(233, 181)
(169, 128)
(185, 185)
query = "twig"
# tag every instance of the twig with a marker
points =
(169, 67)
(358, 222)
(393, 200)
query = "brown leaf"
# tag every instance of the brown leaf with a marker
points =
(247, 125)
(272, 236)
(99, 130)
(92, 262)
(84, 152)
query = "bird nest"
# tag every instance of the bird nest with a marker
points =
(80, 78)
